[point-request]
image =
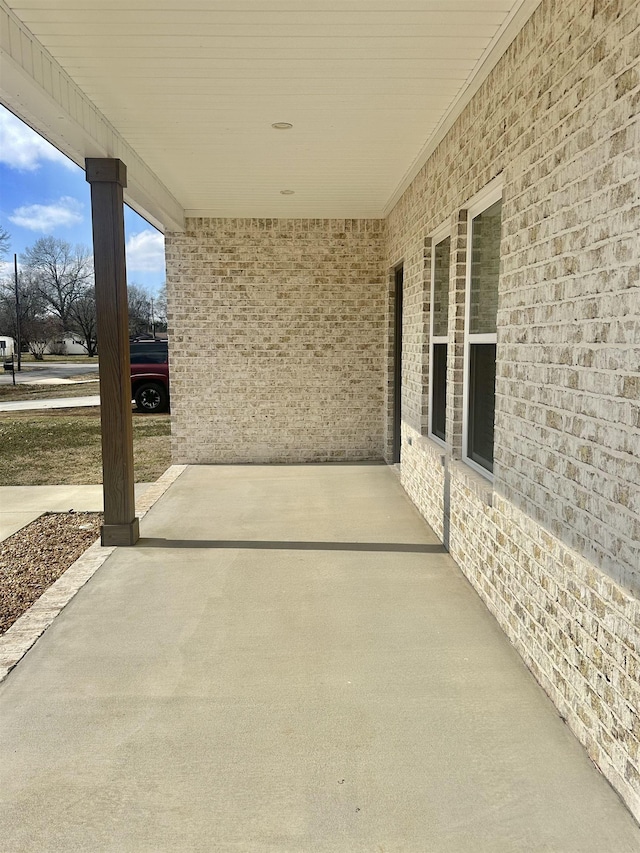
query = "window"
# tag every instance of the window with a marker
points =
(397, 363)
(483, 268)
(153, 352)
(440, 260)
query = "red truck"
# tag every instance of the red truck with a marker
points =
(150, 375)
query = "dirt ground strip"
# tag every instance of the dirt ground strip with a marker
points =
(34, 557)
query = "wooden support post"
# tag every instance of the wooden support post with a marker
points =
(108, 178)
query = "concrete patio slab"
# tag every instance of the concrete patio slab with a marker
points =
(289, 661)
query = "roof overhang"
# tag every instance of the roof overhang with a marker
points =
(186, 97)
(37, 90)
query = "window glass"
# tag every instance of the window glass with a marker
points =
(149, 353)
(439, 390)
(482, 381)
(440, 305)
(485, 268)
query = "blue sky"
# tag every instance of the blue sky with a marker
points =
(44, 193)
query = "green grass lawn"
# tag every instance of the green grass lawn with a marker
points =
(50, 392)
(63, 447)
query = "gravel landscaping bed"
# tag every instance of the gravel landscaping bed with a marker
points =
(34, 557)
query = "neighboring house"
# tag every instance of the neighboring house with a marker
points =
(6, 346)
(67, 345)
(477, 322)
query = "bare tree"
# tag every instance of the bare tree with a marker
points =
(7, 302)
(32, 308)
(7, 313)
(139, 300)
(42, 331)
(160, 308)
(62, 274)
(84, 321)
(5, 242)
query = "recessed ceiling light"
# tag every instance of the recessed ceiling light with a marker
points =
(282, 125)
(287, 192)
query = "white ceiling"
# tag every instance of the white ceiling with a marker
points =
(192, 88)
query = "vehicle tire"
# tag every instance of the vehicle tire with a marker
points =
(151, 397)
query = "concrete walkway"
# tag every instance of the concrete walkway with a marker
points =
(59, 403)
(288, 661)
(20, 505)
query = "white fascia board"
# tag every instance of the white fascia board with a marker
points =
(38, 90)
(514, 22)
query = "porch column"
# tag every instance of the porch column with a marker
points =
(108, 177)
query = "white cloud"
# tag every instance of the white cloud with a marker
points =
(145, 252)
(64, 213)
(25, 150)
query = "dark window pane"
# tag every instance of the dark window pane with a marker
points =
(149, 353)
(485, 269)
(439, 390)
(397, 364)
(482, 382)
(440, 307)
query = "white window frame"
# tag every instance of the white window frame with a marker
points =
(477, 205)
(438, 236)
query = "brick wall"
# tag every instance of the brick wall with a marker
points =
(553, 543)
(277, 335)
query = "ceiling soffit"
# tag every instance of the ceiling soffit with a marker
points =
(188, 96)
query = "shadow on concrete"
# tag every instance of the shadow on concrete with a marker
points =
(257, 545)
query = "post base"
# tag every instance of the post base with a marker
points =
(120, 534)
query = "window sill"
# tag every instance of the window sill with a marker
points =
(480, 486)
(433, 449)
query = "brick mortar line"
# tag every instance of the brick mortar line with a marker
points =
(560, 365)
(531, 434)
(578, 229)
(519, 198)
(538, 265)
(561, 325)
(542, 189)
(545, 261)
(26, 630)
(589, 468)
(548, 407)
(562, 171)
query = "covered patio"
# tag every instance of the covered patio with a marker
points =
(403, 232)
(288, 660)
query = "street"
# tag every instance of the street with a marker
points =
(34, 372)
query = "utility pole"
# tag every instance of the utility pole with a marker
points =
(153, 321)
(18, 341)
